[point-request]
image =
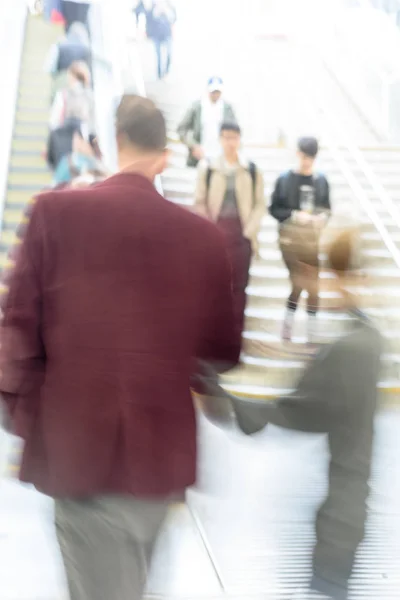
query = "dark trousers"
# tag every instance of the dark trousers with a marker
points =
(337, 396)
(345, 412)
(340, 521)
(300, 249)
(163, 53)
(75, 12)
(239, 252)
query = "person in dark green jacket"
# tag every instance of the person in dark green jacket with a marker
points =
(200, 128)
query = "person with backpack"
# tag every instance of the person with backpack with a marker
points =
(75, 101)
(301, 205)
(230, 192)
(75, 46)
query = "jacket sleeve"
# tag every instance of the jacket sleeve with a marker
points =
(221, 340)
(22, 355)
(200, 199)
(230, 114)
(258, 212)
(279, 208)
(186, 127)
(324, 206)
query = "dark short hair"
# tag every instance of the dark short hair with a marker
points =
(309, 146)
(141, 123)
(227, 126)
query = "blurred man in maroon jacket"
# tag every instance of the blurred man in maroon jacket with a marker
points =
(115, 294)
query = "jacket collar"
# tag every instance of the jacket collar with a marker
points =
(129, 178)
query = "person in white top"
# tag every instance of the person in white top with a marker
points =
(200, 127)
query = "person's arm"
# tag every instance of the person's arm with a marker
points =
(186, 126)
(253, 225)
(201, 193)
(230, 115)
(337, 386)
(279, 207)
(52, 58)
(323, 210)
(22, 354)
(57, 111)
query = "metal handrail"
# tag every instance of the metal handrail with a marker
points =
(335, 149)
(337, 139)
(377, 113)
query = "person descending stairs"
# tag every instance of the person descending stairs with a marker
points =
(28, 172)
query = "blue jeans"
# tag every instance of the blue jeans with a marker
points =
(163, 52)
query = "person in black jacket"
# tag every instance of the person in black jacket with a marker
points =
(301, 205)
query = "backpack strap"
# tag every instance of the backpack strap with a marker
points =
(320, 185)
(253, 175)
(208, 179)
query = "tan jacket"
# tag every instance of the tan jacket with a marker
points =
(251, 210)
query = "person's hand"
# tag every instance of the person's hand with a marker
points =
(319, 220)
(197, 152)
(303, 217)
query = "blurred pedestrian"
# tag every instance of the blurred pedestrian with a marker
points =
(114, 295)
(230, 192)
(75, 46)
(75, 11)
(75, 101)
(83, 160)
(160, 18)
(336, 395)
(301, 205)
(200, 127)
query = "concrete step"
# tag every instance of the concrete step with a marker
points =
(284, 373)
(184, 194)
(20, 144)
(370, 239)
(388, 391)
(39, 179)
(259, 297)
(270, 319)
(370, 258)
(261, 344)
(261, 275)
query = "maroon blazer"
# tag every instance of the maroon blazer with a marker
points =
(115, 292)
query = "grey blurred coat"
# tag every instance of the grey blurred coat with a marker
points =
(337, 395)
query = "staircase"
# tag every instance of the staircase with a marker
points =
(28, 172)
(268, 368)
